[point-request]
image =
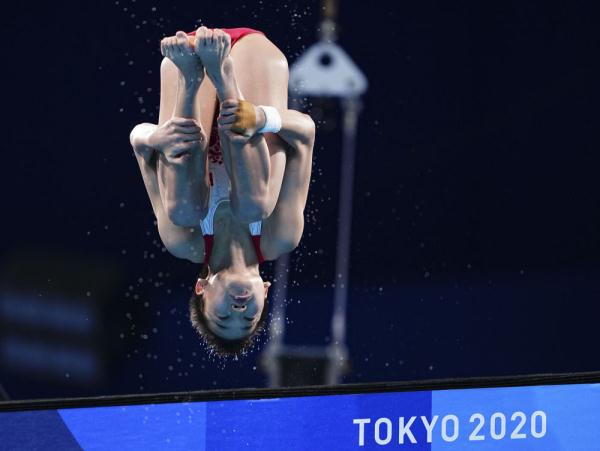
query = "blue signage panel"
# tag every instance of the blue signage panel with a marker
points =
(551, 417)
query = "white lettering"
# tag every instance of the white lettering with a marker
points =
(445, 436)
(361, 429)
(517, 434)
(388, 432)
(429, 426)
(541, 431)
(449, 430)
(494, 423)
(405, 430)
(498, 435)
(475, 434)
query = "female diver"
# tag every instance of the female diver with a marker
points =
(227, 169)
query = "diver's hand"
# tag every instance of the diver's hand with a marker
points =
(177, 136)
(239, 121)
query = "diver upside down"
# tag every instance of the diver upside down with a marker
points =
(227, 170)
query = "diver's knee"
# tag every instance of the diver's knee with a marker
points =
(184, 215)
(250, 210)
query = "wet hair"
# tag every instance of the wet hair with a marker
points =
(217, 345)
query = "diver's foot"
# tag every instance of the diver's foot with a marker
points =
(179, 50)
(213, 46)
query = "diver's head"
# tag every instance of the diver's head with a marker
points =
(228, 308)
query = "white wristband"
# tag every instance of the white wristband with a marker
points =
(272, 120)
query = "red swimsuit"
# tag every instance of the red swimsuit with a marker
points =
(235, 33)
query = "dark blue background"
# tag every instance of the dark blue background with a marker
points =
(475, 231)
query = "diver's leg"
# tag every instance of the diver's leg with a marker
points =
(182, 177)
(258, 71)
(284, 227)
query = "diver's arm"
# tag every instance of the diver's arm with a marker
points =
(182, 242)
(282, 230)
(146, 158)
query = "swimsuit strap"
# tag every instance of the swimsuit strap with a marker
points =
(210, 239)
(208, 232)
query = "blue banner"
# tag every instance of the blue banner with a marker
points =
(552, 417)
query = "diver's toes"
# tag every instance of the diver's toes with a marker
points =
(226, 40)
(181, 39)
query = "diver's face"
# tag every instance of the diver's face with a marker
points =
(233, 303)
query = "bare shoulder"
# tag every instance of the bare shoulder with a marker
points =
(272, 248)
(186, 243)
(281, 231)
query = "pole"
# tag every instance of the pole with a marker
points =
(328, 27)
(351, 107)
(3, 395)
